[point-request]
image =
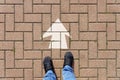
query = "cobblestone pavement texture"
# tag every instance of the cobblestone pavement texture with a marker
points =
(95, 43)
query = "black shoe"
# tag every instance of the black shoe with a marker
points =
(68, 59)
(48, 64)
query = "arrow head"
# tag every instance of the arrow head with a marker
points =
(56, 27)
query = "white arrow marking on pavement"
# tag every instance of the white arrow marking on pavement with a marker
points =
(58, 33)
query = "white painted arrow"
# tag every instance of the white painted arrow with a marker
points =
(58, 33)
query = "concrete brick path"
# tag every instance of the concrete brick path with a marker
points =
(93, 24)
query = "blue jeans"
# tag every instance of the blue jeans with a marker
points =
(67, 74)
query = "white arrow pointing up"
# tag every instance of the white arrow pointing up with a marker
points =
(58, 32)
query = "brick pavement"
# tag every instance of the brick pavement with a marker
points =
(93, 24)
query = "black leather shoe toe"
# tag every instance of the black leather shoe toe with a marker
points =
(48, 64)
(68, 59)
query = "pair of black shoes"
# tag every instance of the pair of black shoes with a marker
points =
(68, 60)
